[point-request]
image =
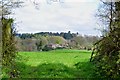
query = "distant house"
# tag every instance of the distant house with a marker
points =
(54, 46)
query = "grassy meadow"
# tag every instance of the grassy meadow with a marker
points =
(55, 64)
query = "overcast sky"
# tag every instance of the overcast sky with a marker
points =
(58, 16)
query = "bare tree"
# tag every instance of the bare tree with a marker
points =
(108, 48)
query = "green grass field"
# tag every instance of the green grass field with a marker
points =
(56, 64)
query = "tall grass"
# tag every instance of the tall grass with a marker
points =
(55, 64)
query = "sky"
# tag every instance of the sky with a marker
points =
(58, 16)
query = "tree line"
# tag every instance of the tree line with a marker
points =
(48, 41)
(67, 35)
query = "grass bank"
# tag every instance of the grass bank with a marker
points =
(55, 64)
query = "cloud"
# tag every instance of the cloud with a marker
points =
(58, 17)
